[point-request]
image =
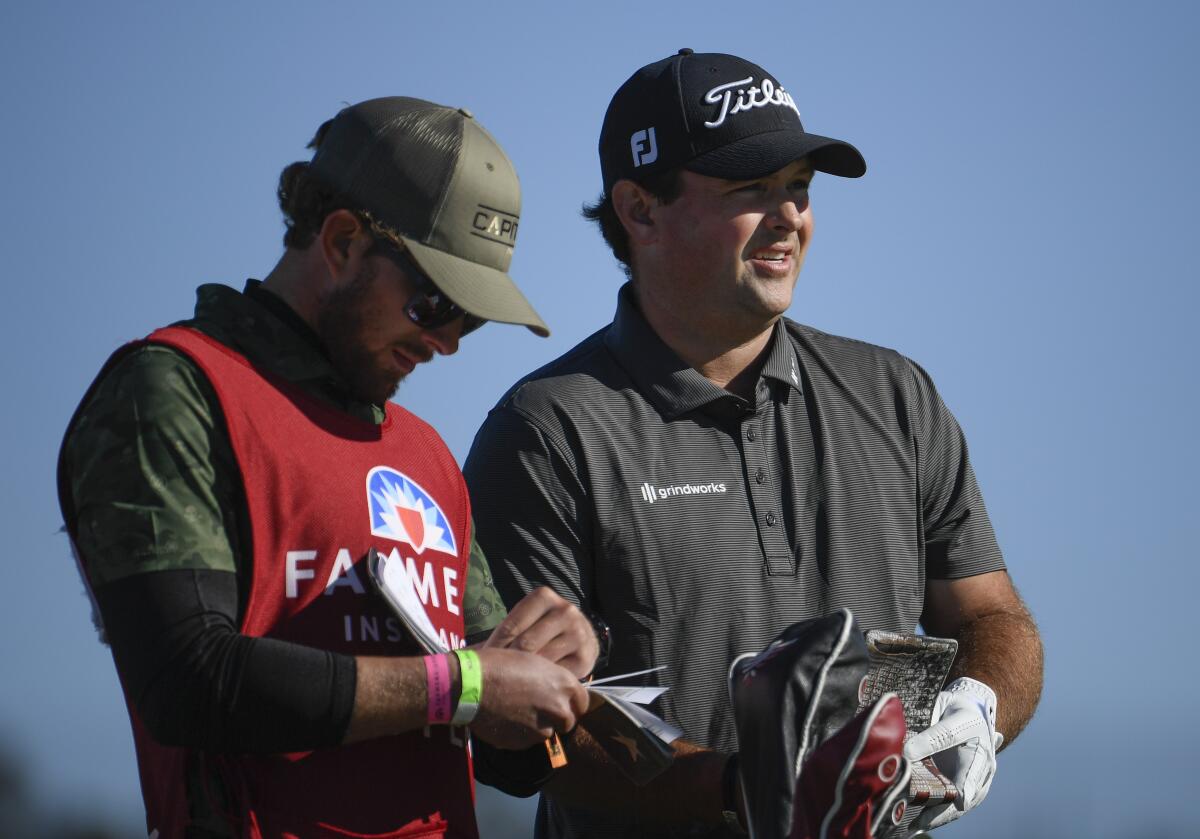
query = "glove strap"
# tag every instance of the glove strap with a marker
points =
(729, 795)
(974, 687)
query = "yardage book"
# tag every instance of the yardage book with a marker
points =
(914, 667)
(637, 740)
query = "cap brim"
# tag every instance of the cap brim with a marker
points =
(762, 154)
(482, 291)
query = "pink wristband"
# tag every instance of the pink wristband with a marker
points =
(437, 678)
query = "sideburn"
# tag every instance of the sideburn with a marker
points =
(340, 326)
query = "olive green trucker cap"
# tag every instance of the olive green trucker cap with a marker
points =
(433, 177)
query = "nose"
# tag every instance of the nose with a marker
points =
(444, 339)
(788, 211)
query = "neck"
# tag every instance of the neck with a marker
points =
(289, 281)
(727, 354)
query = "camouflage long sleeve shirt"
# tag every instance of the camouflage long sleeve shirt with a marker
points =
(152, 472)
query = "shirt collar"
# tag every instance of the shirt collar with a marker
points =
(671, 385)
(781, 364)
(271, 335)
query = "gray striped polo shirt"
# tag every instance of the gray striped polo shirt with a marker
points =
(699, 524)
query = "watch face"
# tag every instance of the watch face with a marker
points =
(603, 639)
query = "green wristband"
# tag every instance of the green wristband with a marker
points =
(470, 676)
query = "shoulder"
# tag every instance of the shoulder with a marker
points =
(559, 408)
(409, 425)
(146, 464)
(144, 384)
(847, 353)
(580, 378)
(854, 362)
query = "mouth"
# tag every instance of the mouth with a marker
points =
(406, 361)
(772, 261)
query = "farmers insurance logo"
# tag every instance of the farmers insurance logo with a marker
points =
(651, 493)
(404, 512)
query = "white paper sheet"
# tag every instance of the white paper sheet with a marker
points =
(630, 693)
(397, 586)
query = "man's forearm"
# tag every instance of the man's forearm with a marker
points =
(687, 792)
(1004, 651)
(198, 683)
(998, 642)
(390, 696)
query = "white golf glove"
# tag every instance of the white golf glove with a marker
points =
(963, 740)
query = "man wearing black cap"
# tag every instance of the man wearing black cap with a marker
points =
(703, 472)
(223, 479)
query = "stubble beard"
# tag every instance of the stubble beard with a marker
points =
(765, 300)
(341, 325)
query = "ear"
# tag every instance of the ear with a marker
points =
(344, 241)
(635, 207)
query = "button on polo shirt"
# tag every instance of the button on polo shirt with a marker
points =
(699, 524)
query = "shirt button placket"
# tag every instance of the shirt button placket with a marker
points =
(779, 556)
(755, 464)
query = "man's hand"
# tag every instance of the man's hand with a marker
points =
(553, 628)
(525, 699)
(963, 741)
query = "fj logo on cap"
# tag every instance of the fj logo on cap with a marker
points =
(644, 147)
(494, 225)
(757, 96)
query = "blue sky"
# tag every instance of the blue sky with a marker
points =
(1025, 231)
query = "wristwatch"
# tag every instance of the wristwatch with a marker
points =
(603, 639)
(729, 793)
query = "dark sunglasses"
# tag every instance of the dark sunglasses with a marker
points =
(430, 307)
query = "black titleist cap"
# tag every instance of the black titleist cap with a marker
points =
(713, 114)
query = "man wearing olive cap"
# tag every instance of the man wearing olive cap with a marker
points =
(223, 479)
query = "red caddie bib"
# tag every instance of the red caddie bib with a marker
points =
(322, 488)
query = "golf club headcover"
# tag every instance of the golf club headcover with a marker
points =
(787, 700)
(855, 784)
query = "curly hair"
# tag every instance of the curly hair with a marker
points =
(666, 187)
(306, 200)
